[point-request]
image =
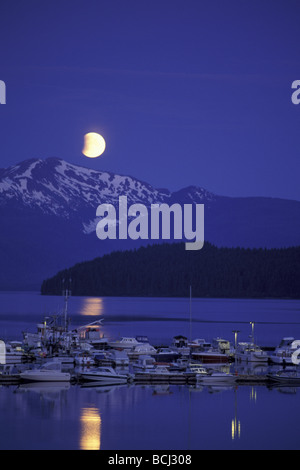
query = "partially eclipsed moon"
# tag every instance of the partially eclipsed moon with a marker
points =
(94, 145)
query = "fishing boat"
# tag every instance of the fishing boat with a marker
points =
(49, 331)
(204, 352)
(49, 372)
(210, 357)
(105, 375)
(92, 334)
(250, 352)
(222, 345)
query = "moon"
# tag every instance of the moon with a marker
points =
(94, 145)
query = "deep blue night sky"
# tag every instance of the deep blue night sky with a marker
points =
(184, 92)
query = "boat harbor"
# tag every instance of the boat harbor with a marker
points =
(134, 372)
(56, 353)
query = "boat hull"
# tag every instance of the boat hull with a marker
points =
(284, 380)
(45, 377)
(207, 358)
(9, 379)
(165, 378)
(257, 358)
(281, 360)
(104, 379)
(216, 379)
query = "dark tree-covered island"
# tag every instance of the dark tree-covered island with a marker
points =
(168, 270)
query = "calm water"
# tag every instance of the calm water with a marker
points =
(152, 417)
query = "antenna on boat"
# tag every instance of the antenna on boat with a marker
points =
(252, 325)
(190, 313)
(66, 293)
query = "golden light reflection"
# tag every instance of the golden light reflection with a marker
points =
(235, 423)
(235, 429)
(90, 437)
(253, 395)
(92, 306)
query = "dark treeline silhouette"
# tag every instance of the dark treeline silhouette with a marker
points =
(167, 270)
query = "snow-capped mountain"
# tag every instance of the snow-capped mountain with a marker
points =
(48, 211)
(55, 187)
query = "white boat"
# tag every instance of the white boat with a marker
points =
(104, 374)
(199, 344)
(144, 363)
(250, 352)
(49, 372)
(118, 358)
(221, 345)
(204, 375)
(125, 343)
(48, 331)
(180, 345)
(162, 373)
(284, 352)
(141, 350)
(166, 355)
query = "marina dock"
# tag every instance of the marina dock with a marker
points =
(57, 353)
(54, 353)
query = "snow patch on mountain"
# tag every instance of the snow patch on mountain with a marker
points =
(56, 187)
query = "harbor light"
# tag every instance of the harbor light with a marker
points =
(236, 332)
(252, 324)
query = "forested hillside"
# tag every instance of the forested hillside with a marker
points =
(167, 270)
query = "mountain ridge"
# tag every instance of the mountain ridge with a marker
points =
(48, 212)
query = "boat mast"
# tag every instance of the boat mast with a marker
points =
(252, 336)
(66, 293)
(190, 313)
